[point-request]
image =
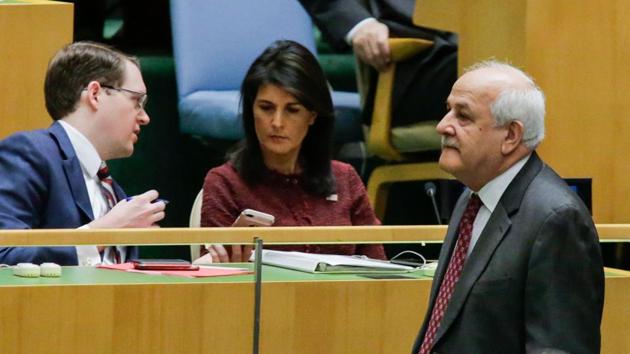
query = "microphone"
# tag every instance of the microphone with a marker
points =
(429, 189)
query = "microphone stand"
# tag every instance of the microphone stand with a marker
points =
(429, 189)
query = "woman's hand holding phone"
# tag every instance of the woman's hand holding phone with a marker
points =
(250, 217)
(240, 253)
(237, 254)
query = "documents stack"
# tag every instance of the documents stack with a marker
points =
(329, 263)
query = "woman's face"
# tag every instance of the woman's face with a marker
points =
(281, 123)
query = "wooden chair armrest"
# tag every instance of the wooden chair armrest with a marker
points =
(379, 139)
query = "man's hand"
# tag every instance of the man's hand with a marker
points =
(370, 44)
(136, 212)
(239, 253)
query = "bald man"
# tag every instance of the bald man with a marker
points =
(520, 270)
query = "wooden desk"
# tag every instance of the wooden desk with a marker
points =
(113, 312)
(116, 312)
(30, 33)
(242, 235)
(578, 54)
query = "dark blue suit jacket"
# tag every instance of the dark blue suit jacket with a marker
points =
(42, 187)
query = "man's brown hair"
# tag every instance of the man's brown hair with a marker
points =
(74, 67)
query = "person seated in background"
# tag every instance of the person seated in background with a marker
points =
(57, 177)
(421, 83)
(284, 166)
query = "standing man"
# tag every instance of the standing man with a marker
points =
(421, 83)
(520, 269)
(57, 178)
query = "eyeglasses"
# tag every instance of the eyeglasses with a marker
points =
(140, 97)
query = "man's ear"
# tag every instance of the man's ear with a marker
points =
(93, 89)
(513, 137)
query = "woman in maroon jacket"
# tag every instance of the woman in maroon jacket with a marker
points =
(284, 166)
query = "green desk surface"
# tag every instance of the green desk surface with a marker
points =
(96, 276)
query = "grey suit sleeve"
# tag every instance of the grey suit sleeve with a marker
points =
(335, 18)
(565, 285)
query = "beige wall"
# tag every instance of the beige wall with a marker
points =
(30, 33)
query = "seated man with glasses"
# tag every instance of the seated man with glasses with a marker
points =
(140, 97)
(57, 177)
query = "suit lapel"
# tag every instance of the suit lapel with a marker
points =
(446, 251)
(449, 242)
(72, 169)
(118, 191)
(491, 236)
(497, 226)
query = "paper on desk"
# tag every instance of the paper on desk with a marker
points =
(201, 272)
(329, 263)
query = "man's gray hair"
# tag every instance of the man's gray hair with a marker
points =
(525, 105)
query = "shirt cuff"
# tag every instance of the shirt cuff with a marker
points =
(109, 256)
(88, 255)
(356, 27)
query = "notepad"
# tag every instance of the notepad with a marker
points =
(329, 263)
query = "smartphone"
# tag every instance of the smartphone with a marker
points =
(163, 264)
(250, 217)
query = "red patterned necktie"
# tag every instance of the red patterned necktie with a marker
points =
(107, 189)
(107, 185)
(453, 272)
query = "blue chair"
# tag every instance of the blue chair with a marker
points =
(214, 43)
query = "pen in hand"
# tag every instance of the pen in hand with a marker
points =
(155, 201)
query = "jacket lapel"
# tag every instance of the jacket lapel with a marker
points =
(494, 231)
(497, 226)
(445, 253)
(449, 241)
(72, 169)
(118, 191)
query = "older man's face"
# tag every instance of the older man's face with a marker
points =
(471, 141)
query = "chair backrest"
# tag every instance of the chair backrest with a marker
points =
(195, 221)
(215, 41)
(195, 212)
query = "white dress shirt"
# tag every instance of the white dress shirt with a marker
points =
(90, 162)
(490, 194)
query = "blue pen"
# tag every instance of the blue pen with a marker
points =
(157, 200)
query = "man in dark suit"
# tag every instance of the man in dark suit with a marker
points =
(57, 178)
(520, 269)
(421, 83)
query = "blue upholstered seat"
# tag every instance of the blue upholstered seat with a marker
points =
(214, 42)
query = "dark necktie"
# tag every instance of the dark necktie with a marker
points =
(453, 272)
(107, 185)
(107, 189)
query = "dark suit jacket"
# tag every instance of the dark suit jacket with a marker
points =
(421, 83)
(535, 278)
(42, 187)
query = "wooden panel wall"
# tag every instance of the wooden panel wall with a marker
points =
(30, 33)
(578, 53)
